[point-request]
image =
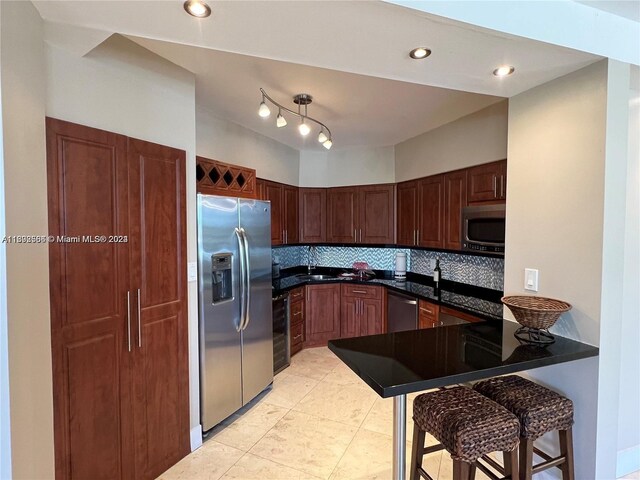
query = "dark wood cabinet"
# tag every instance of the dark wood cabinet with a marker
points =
(376, 214)
(487, 183)
(290, 214)
(313, 215)
(428, 314)
(118, 307)
(363, 214)
(407, 208)
(455, 198)
(260, 189)
(322, 314)
(342, 215)
(361, 309)
(297, 319)
(218, 178)
(431, 212)
(284, 210)
(273, 193)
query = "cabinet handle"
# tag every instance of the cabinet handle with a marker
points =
(426, 310)
(418, 236)
(360, 234)
(300, 240)
(297, 336)
(502, 192)
(495, 187)
(139, 322)
(129, 319)
(355, 234)
(297, 313)
(359, 291)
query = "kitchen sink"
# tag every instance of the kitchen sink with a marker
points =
(304, 276)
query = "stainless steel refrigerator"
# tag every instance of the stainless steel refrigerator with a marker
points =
(234, 270)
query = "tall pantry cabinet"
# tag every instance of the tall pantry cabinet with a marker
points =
(118, 303)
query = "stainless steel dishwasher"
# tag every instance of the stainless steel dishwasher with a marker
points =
(402, 312)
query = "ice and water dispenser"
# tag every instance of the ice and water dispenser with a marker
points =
(221, 276)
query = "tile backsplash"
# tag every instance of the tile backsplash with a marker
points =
(487, 272)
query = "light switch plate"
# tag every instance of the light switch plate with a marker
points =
(192, 271)
(531, 279)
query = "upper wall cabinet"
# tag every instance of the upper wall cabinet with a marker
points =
(431, 212)
(218, 178)
(487, 183)
(313, 215)
(407, 213)
(362, 214)
(284, 210)
(455, 198)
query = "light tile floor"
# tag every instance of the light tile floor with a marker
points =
(319, 421)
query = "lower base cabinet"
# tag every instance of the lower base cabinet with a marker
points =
(428, 314)
(322, 314)
(297, 320)
(361, 310)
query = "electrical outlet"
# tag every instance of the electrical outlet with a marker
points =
(192, 271)
(531, 279)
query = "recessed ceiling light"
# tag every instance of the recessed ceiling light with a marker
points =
(419, 53)
(504, 70)
(197, 8)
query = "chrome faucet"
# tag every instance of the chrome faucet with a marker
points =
(311, 253)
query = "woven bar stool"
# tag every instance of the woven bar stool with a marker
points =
(468, 425)
(539, 410)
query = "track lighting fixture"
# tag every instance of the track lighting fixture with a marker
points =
(302, 100)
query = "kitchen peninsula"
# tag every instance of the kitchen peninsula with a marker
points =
(396, 364)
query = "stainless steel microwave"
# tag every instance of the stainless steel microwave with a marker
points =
(483, 228)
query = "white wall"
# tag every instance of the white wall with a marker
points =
(471, 140)
(124, 88)
(23, 107)
(347, 166)
(555, 212)
(229, 142)
(629, 391)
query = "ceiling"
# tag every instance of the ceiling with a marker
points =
(351, 56)
(623, 8)
(360, 110)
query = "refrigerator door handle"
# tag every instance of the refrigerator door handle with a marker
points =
(247, 265)
(242, 258)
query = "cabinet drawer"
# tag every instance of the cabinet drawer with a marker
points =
(297, 334)
(296, 294)
(362, 291)
(296, 312)
(428, 309)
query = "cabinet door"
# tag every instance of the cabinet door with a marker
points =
(342, 215)
(87, 195)
(407, 213)
(428, 314)
(159, 308)
(313, 215)
(370, 317)
(349, 320)
(431, 212)
(322, 316)
(291, 230)
(260, 187)
(486, 183)
(273, 193)
(455, 198)
(376, 215)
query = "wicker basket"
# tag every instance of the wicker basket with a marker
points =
(536, 312)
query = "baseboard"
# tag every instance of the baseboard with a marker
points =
(196, 437)
(628, 461)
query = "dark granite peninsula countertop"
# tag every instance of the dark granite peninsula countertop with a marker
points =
(478, 301)
(411, 361)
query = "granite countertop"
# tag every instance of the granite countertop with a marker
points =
(415, 360)
(482, 302)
